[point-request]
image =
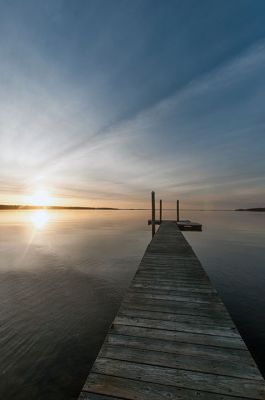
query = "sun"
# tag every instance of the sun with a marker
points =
(40, 198)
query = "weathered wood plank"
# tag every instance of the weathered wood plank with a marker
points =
(212, 383)
(177, 277)
(177, 282)
(188, 362)
(181, 307)
(185, 337)
(171, 272)
(165, 282)
(173, 326)
(213, 321)
(169, 287)
(93, 396)
(174, 277)
(190, 349)
(138, 390)
(187, 297)
(173, 292)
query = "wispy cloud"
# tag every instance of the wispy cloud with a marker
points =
(108, 126)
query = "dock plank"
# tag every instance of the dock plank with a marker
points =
(188, 379)
(137, 390)
(213, 321)
(187, 362)
(173, 337)
(182, 307)
(179, 336)
(190, 349)
(170, 325)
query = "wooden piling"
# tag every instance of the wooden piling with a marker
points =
(177, 210)
(160, 211)
(153, 213)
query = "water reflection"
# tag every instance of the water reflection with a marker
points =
(63, 275)
(39, 218)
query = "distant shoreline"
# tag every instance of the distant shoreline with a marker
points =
(259, 209)
(10, 207)
(17, 207)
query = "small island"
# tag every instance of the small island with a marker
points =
(259, 209)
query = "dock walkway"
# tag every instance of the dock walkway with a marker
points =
(173, 337)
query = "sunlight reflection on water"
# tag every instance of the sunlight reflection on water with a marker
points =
(40, 218)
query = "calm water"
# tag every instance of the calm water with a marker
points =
(63, 275)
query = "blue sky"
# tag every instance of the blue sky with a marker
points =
(102, 101)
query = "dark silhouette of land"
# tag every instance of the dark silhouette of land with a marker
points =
(19, 207)
(260, 209)
(26, 207)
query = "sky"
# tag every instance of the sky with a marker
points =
(103, 101)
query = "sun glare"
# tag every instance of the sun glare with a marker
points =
(39, 218)
(40, 198)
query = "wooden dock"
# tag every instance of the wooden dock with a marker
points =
(184, 225)
(173, 337)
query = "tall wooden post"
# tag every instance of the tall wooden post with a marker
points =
(153, 214)
(177, 210)
(160, 211)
